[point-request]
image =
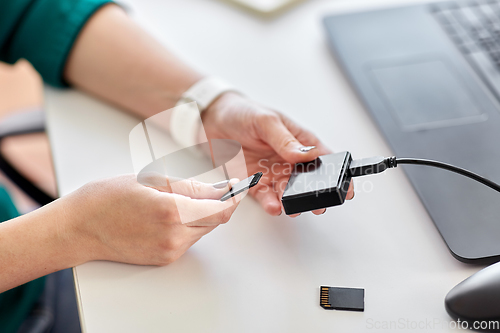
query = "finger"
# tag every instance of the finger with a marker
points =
(205, 212)
(197, 231)
(187, 187)
(294, 215)
(268, 199)
(319, 211)
(273, 131)
(198, 190)
(154, 180)
(304, 136)
(350, 191)
(313, 141)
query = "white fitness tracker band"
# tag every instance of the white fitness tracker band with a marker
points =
(185, 122)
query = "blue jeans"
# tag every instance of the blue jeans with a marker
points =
(56, 310)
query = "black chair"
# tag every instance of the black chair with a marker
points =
(20, 124)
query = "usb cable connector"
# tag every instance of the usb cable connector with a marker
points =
(368, 166)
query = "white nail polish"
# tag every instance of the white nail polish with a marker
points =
(221, 184)
(305, 149)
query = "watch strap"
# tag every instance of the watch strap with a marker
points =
(185, 120)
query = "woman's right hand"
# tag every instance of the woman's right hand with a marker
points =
(118, 219)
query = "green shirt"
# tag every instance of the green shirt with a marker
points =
(42, 32)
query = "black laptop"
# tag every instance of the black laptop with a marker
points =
(430, 77)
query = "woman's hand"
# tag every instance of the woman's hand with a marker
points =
(119, 219)
(271, 142)
(114, 219)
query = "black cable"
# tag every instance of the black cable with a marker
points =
(375, 165)
(449, 167)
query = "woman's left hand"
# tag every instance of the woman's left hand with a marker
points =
(271, 142)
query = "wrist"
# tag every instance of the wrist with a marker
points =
(76, 230)
(185, 122)
(37, 244)
(53, 237)
(223, 101)
(215, 119)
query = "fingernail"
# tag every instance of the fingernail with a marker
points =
(221, 184)
(305, 149)
(353, 194)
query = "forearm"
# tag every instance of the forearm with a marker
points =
(115, 59)
(37, 244)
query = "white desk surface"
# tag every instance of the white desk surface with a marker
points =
(260, 273)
